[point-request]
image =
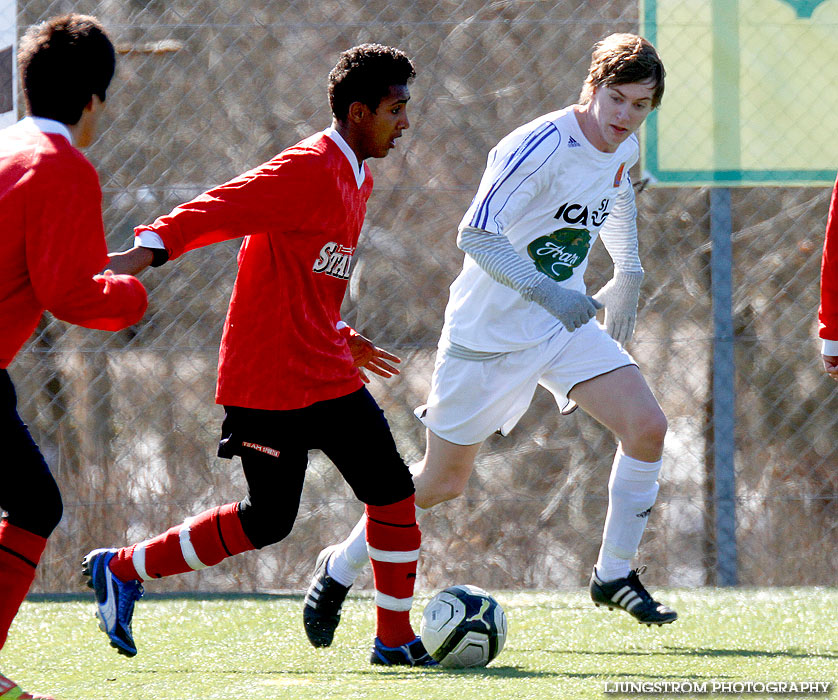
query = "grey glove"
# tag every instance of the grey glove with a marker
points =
(620, 296)
(572, 308)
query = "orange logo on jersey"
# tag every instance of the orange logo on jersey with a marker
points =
(335, 260)
(618, 178)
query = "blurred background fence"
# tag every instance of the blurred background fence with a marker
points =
(206, 89)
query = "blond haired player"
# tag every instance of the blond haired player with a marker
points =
(519, 315)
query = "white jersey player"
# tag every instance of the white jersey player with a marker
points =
(519, 316)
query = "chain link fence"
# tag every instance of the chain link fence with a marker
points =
(206, 89)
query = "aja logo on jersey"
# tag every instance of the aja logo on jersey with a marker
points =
(561, 252)
(335, 260)
(618, 178)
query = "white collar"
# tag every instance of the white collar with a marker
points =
(47, 126)
(357, 168)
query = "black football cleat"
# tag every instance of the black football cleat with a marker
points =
(630, 595)
(323, 603)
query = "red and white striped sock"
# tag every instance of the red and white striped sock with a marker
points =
(20, 552)
(393, 541)
(201, 541)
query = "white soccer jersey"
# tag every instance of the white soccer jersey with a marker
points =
(549, 191)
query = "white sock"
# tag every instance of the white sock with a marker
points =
(350, 557)
(632, 489)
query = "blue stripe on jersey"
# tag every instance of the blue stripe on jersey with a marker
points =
(530, 144)
(481, 216)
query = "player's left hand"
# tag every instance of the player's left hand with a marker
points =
(620, 296)
(367, 356)
(830, 365)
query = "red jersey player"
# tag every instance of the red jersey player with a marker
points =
(52, 246)
(286, 375)
(828, 312)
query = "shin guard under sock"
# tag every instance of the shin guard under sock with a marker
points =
(201, 541)
(349, 558)
(20, 552)
(632, 490)
(393, 541)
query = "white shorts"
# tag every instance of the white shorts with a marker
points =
(471, 399)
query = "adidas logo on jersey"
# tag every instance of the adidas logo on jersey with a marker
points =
(573, 143)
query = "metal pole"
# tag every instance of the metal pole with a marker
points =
(724, 395)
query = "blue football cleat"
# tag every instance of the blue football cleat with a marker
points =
(410, 654)
(114, 599)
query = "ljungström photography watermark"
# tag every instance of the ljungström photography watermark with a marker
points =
(718, 687)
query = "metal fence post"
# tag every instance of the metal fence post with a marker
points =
(724, 419)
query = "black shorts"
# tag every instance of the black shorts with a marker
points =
(28, 492)
(351, 431)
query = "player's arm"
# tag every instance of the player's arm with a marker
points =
(516, 173)
(65, 249)
(366, 355)
(252, 203)
(828, 311)
(621, 294)
(495, 255)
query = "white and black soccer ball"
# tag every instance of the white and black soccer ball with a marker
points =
(463, 626)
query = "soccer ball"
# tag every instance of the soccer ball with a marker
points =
(463, 626)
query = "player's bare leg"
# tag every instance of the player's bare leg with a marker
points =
(441, 475)
(443, 472)
(622, 401)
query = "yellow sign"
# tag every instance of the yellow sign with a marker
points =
(751, 92)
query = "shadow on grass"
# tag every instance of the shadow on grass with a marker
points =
(87, 596)
(511, 672)
(404, 674)
(755, 653)
(698, 651)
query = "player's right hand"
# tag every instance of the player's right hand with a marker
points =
(130, 262)
(572, 308)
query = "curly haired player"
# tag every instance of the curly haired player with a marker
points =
(286, 373)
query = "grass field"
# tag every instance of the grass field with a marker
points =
(559, 646)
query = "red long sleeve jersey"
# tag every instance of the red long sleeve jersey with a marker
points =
(52, 241)
(301, 214)
(828, 312)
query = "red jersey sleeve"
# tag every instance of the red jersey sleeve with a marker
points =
(278, 191)
(65, 249)
(828, 312)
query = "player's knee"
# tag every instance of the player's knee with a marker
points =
(439, 490)
(264, 526)
(454, 486)
(655, 427)
(647, 432)
(270, 534)
(42, 514)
